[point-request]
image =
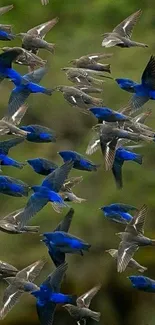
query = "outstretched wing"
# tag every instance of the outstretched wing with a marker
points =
(148, 76)
(138, 221)
(31, 271)
(64, 225)
(53, 282)
(42, 29)
(10, 298)
(56, 179)
(125, 28)
(125, 253)
(46, 313)
(36, 75)
(85, 299)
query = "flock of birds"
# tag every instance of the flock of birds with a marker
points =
(113, 130)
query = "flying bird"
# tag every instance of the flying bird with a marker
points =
(121, 34)
(142, 91)
(48, 295)
(56, 255)
(81, 76)
(77, 98)
(10, 224)
(142, 283)
(39, 133)
(132, 263)
(132, 239)
(9, 123)
(14, 187)
(47, 192)
(121, 155)
(33, 40)
(81, 311)
(80, 162)
(118, 212)
(108, 115)
(18, 284)
(29, 85)
(42, 166)
(6, 71)
(90, 61)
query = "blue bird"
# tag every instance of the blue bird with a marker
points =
(65, 243)
(108, 115)
(4, 36)
(14, 187)
(49, 295)
(42, 166)
(39, 133)
(143, 91)
(118, 212)
(7, 161)
(28, 85)
(142, 283)
(47, 192)
(6, 70)
(56, 255)
(80, 162)
(123, 155)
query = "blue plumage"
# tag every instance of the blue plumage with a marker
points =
(142, 283)
(12, 186)
(38, 133)
(42, 166)
(80, 162)
(108, 115)
(118, 212)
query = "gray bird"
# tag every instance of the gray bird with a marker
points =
(107, 136)
(81, 312)
(22, 282)
(132, 239)
(66, 190)
(90, 61)
(8, 124)
(10, 224)
(33, 40)
(78, 98)
(82, 77)
(132, 263)
(7, 269)
(89, 89)
(27, 58)
(121, 34)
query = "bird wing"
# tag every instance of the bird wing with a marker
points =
(117, 172)
(46, 312)
(85, 299)
(6, 145)
(53, 281)
(136, 225)
(10, 298)
(17, 116)
(56, 179)
(5, 9)
(135, 103)
(70, 183)
(124, 207)
(110, 153)
(42, 29)
(16, 100)
(125, 253)
(125, 28)
(64, 225)
(14, 216)
(148, 76)
(36, 75)
(93, 144)
(34, 205)
(99, 56)
(32, 271)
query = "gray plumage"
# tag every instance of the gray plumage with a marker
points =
(66, 190)
(27, 58)
(132, 263)
(22, 282)
(90, 61)
(7, 269)
(121, 34)
(132, 238)
(83, 76)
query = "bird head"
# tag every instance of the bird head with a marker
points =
(126, 84)
(20, 35)
(73, 61)
(97, 127)
(111, 251)
(67, 306)
(119, 234)
(58, 88)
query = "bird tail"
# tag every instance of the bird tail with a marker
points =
(51, 47)
(72, 299)
(48, 91)
(96, 316)
(20, 165)
(32, 229)
(140, 44)
(11, 37)
(153, 242)
(107, 68)
(138, 159)
(142, 269)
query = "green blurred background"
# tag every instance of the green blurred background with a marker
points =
(82, 22)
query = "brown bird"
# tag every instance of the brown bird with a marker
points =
(33, 40)
(90, 61)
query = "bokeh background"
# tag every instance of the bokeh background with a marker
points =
(78, 32)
